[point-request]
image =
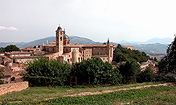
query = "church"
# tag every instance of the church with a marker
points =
(62, 50)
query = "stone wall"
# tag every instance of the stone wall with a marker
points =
(6, 88)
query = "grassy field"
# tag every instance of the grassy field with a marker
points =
(38, 95)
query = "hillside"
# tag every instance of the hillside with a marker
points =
(120, 94)
(123, 54)
(155, 48)
(152, 48)
(73, 40)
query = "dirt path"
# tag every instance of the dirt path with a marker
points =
(109, 91)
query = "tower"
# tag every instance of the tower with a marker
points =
(59, 40)
(108, 50)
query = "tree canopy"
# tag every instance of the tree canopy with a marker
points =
(146, 76)
(95, 71)
(1, 49)
(11, 48)
(123, 54)
(42, 71)
(168, 63)
(129, 71)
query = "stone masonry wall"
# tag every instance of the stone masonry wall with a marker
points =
(6, 88)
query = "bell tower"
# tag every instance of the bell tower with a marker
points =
(59, 40)
(108, 50)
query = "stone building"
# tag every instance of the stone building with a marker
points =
(62, 50)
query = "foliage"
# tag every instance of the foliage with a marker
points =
(155, 59)
(123, 54)
(167, 64)
(163, 65)
(129, 71)
(44, 72)
(171, 56)
(95, 71)
(169, 79)
(1, 49)
(146, 76)
(11, 48)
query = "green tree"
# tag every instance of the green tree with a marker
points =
(155, 59)
(1, 49)
(167, 64)
(95, 71)
(11, 48)
(163, 65)
(171, 56)
(146, 76)
(129, 71)
(123, 54)
(44, 72)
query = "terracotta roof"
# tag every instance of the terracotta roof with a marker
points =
(7, 72)
(23, 57)
(79, 45)
(18, 52)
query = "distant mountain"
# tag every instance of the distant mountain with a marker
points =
(73, 40)
(4, 44)
(81, 40)
(150, 41)
(154, 48)
(39, 41)
(159, 40)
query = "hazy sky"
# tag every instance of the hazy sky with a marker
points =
(131, 20)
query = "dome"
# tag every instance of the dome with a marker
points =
(74, 50)
(66, 36)
(59, 29)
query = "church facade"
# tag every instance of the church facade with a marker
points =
(62, 50)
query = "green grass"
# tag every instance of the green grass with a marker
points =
(36, 95)
(153, 95)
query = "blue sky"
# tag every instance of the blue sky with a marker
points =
(131, 20)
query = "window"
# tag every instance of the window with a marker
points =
(60, 38)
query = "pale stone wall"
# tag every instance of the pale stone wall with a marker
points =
(6, 88)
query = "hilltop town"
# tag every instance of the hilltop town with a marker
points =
(14, 63)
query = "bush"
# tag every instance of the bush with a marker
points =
(146, 76)
(43, 72)
(169, 79)
(95, 71)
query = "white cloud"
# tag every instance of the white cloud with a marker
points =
(8, 28)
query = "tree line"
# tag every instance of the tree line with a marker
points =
(9, 48)
(44, 72)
